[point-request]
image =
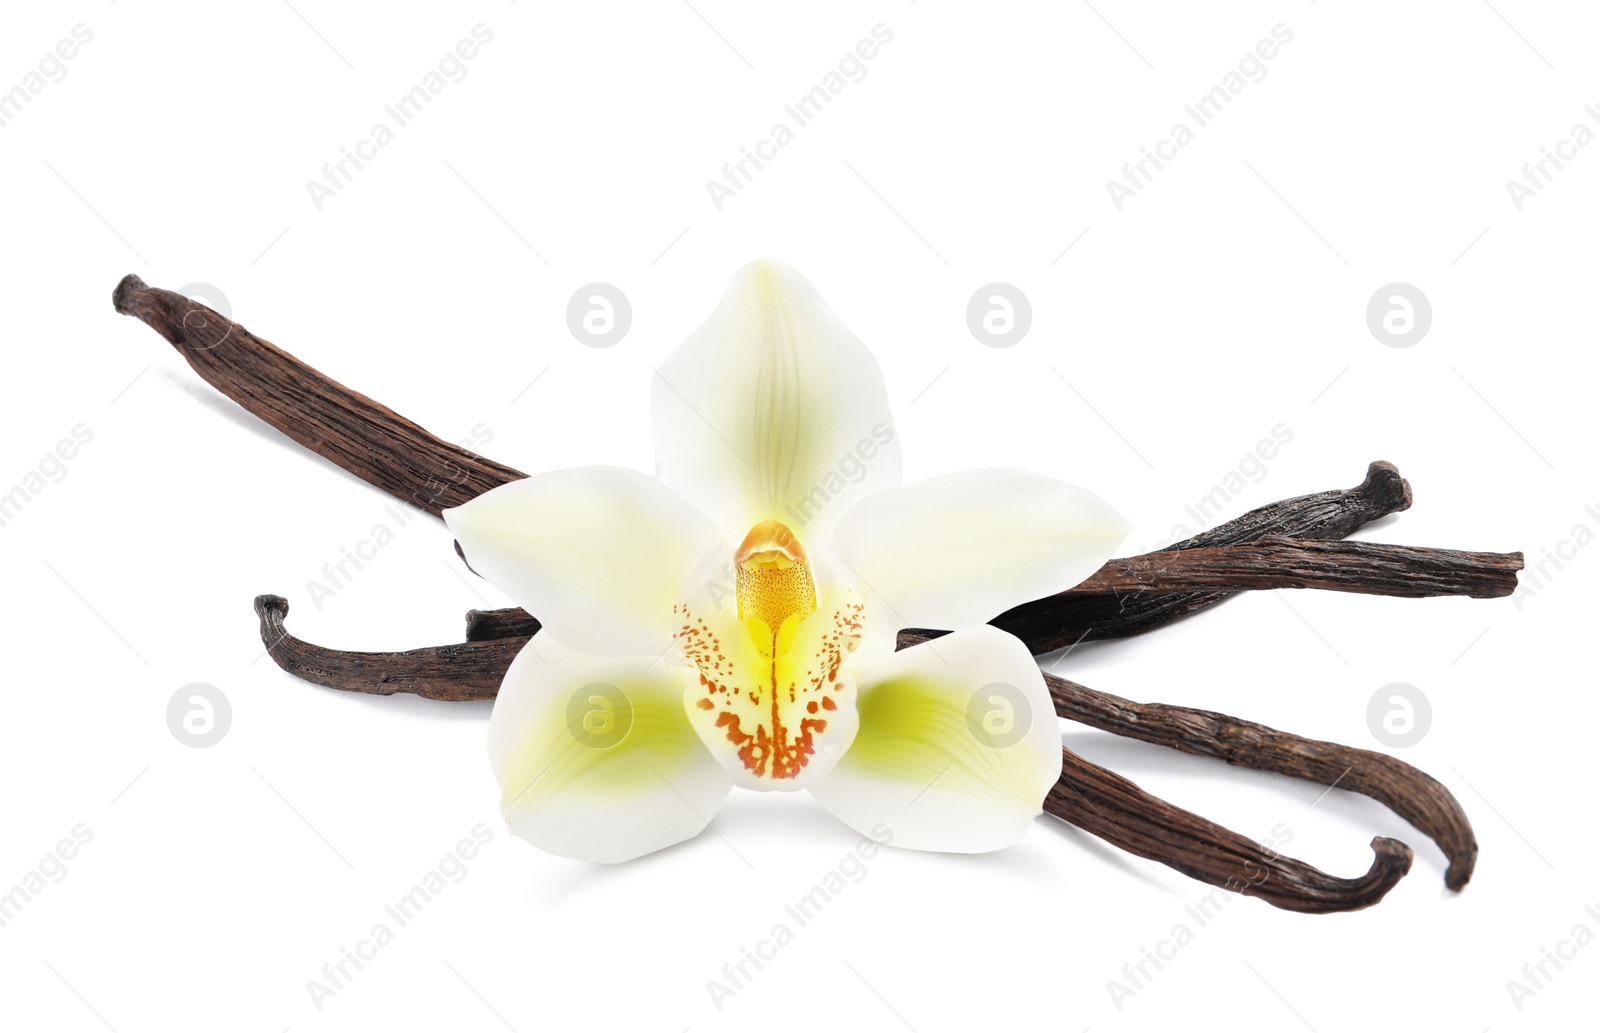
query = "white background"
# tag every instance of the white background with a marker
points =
(1227, 298)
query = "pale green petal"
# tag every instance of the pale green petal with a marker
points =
(773, 410)
(595, 756)
(958, 550)
(956, 748)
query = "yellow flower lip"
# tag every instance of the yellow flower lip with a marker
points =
(774, 700)
(774, 578)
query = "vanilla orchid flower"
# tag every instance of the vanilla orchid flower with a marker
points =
(731, 621)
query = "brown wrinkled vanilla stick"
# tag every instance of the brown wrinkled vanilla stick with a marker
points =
(1076, 615)
(1411, 793)
(1071, 617)
(1368, 568)
(454, 673)
(387, 450)
(343, 426)
(1109, 806)
(1127, 597)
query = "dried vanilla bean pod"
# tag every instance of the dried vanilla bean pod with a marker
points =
(343, 426)
(1111, 807)
(1074, 616)
(453, 673)
(1412, 794)
(1369, 568)
(1068, 618)
(389, 451)
(385, 449)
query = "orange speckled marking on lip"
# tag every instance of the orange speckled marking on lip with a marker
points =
(763, 714)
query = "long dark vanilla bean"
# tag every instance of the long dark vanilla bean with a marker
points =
(1368, 568)
(1068, 618)
(345, 427)
(400, 457)
(1413, 794)
(1111, 807)
(1079, 615)
(453, 673)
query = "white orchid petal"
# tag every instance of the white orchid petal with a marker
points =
(595, 756)
(958, 550)
(957, 746)
(597, 553)
(773, 410)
